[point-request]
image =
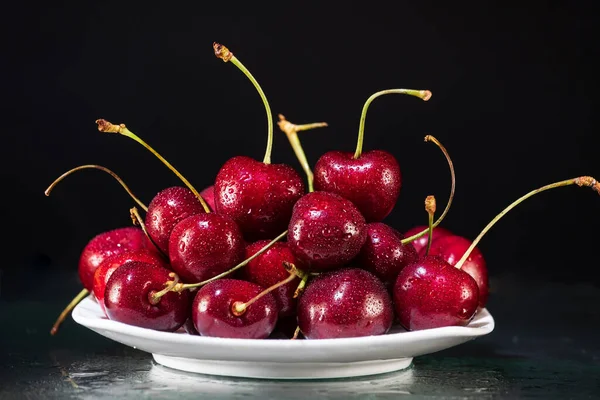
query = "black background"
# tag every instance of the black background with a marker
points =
(512, 101)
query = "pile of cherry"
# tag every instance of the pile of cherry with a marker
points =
(261, 252)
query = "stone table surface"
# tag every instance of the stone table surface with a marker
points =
(545, 345)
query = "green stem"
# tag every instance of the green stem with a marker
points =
(137, 219)
(67, 310)
(422, 94)
(101, 168)
(240, 265)
(291, 131)
(239, 307)
(430, 208)
(223, 53)
(424, 232)
(121, 129)
(587, 181)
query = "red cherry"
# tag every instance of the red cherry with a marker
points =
(128, 298)
(421, 243)
(267, 270)
(167, 209)
(213, 315)
(258, 196)
(383, 253)
(431, 293)
(451, 248)
(325, 231)
(349, 302)
(372, 181)
(208, 194)
(205, 245)
(106, 244)
(110, 264)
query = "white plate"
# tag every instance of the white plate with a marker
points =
(283, 358)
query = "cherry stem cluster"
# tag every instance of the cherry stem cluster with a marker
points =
(291, 131)
(430, 207)
(422, 94)
(101, 168)
(424, 232)
(154, 297)
(224, 54)
(581, 181)
(121, 129)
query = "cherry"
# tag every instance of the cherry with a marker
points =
(135, 295)
(167, 209)
(325, 231)
(383, 253)
(259, 196)
(110, 264)
(430, 293)
(451, 248)
(420, 244)
(208, 194)
(348, 302)
(205, 245)
(371, 180)
(268, 268)
(213, 310)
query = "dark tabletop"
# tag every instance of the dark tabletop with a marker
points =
(545, 345)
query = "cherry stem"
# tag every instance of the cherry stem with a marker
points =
(67, 310)
(137, 219)
(291, 131)
(238, 308)
(224, 54)
(424, 232)
(301, 286)
(430, 208)
(422, 94)
(296, 333)
(121, 129)
(154, 297)
(184, 286)
(101, 168)
(587, 181)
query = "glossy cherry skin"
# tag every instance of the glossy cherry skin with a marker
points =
(267, 270)
(258, 196)
(348, 302)
(372, 181)
(205, 245)
(208, 194)
(213, 316)
(420, 244)
(325, 231)
(110, 264)
(127, 298)
(167, 209)
(431, 293)
(451, 249)
(106, 244)
(383, 253)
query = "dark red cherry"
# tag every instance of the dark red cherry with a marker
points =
(208, 194)
(110, 264)
(106, 244)
(372, 181)
(167, 209)
(325, 231)
(420, 244)
(205, 245)
(349, 302)
(267, 269)
(451, 248)
(431, 293)
(213, 316)
(128, 298)
(383, 253)
(258, 196)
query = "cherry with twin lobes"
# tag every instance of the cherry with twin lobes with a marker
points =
(216, 263)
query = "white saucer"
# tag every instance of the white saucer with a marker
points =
(283, 358)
